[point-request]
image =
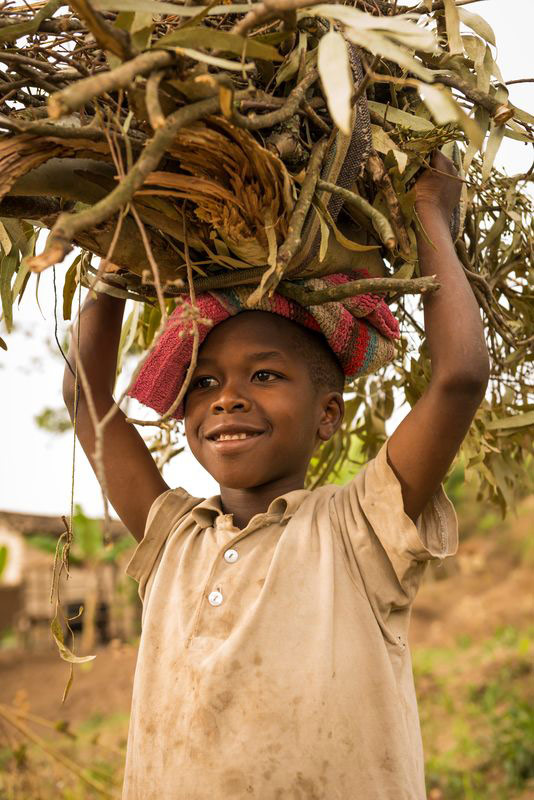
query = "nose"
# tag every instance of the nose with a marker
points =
(230, 401)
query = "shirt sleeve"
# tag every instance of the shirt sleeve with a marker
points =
(166, 512)
(386, 550)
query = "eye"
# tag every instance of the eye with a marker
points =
(265, 376)
(204, 382)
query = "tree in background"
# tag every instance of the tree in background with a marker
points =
(90, 551)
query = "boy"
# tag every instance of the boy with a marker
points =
(273, 661)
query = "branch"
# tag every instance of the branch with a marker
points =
(69, 225)
(10, 33)
(254, 122)
(383, 181)
(360, 286)
(155, 113)
(85, 132)
(74, 97)
(380, 223)
(293, 238)
(262, 12)
(110, 38)
(30, 207)
(501, 112)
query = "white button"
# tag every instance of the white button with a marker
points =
(231, 555)
(215, 598)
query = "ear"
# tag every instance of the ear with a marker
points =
(332, 411)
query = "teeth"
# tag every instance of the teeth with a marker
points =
(223, 437)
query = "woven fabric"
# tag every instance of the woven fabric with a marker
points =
(360, 330)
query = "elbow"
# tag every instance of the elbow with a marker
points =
(470, 381)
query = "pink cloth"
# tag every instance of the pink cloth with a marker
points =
(360, 330)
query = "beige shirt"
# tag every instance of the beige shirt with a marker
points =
(273, 662)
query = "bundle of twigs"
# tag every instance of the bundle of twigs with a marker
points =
(194, 146)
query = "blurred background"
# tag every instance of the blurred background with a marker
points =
(473, 622)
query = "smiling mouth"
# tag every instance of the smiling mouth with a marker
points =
(233, 437)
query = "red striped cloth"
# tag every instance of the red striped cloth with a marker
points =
(360, 330)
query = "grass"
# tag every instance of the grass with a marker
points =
(477, 716)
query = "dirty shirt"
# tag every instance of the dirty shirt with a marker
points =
(273, 662)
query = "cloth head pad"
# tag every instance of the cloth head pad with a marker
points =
(360, 330)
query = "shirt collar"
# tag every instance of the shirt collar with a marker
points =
(283, 507)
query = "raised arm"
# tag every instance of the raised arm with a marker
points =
(132, 478)
(423, 447)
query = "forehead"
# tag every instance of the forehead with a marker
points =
(251, 331)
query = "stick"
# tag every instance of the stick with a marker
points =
(382, 179)
(380, 222)
(255, 122)
(10, 33)
(74, 97)
(109, 37)
(68, 225)
(357, 287)
(293, 238)
(153, 107)
(267, 10)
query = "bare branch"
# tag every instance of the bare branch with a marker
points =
(82, 92)
(360, 286)
(254, 122)
(108, 36)
(68, 225)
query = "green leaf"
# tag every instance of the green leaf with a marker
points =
(517, 421)
(8, 265)
(5, 241)
(64, 652)
(477, 24)
(69, 287)
(492, 148)
(385, 144)
(214, 61)
(212, 39)
(336, 76)
(401, 28)
(127, 335)
(88, 535)
(22, 273)
(17, 234)
(439, 102)
(452, 21)
(158, 7)
(325, 234)
(380, 45)
(3, 558)
(292, 62)
(9, 33)
(402, 118)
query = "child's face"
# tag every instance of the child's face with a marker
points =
(251, 384)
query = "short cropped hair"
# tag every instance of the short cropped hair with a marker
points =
(323, 365)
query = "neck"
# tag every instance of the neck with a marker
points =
(246, 503)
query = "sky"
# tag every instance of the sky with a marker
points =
(36, 466)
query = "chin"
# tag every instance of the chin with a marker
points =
(238, 479)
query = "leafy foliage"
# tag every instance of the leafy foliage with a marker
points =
(161, 136)
(4, 554)
(88, 545)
